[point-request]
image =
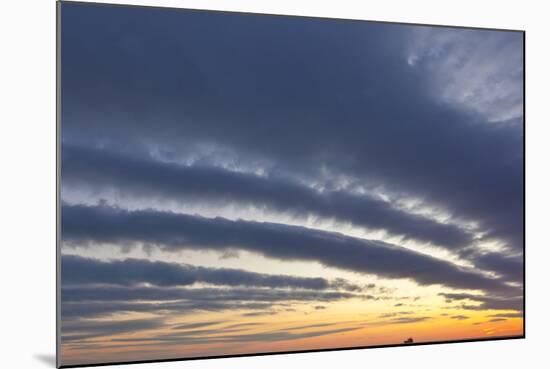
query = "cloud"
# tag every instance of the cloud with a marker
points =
(98, 300)
(220, 335)
(197, 325)
(392, 315)
(214, 295)
(86, 329)
(77, 331)
(259, 313)
(271, 336)
(507, 315)
(510, 268)
(408, 320)
(305, 117)
(247, 324)
(82, 225)
(98, 309)
(331, 111)
(101, 170)
(309, 326)
(132, 272)
(460, 317)
(482, 71)
(486, 302)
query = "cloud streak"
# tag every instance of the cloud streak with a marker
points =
(102, 170)
(486, 302)
(86, 329)
(132, 272)
(95, 301)
(84, 225)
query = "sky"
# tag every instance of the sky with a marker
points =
(239, 184)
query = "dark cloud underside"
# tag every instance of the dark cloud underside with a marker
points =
(85, 225)
(99, 169)
(98, 301)
(131, 272)
(299, 97)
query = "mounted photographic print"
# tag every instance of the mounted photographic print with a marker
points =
(241, 184)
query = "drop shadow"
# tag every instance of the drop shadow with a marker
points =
(47, 359)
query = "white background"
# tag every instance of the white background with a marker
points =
(27, 206)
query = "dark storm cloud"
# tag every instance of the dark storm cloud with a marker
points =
(131, 272)
(97, 170)
(299, 96)
(84, 225)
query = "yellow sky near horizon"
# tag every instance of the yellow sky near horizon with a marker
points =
(349, 323)
(366, 329)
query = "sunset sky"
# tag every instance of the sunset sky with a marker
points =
(238, 184)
